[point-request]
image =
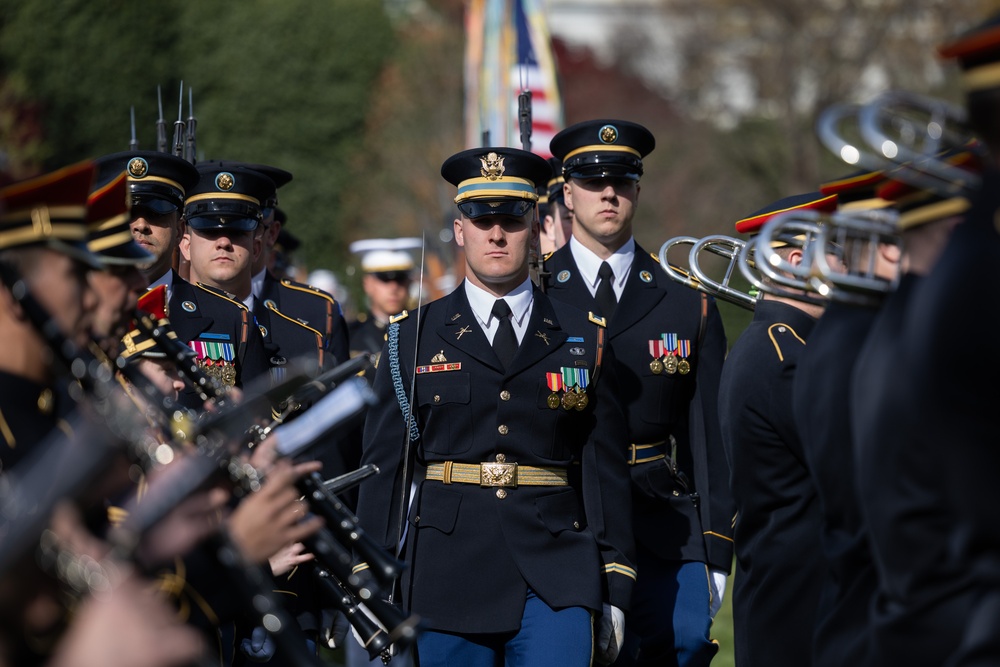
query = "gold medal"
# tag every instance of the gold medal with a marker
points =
(670, 364)
(656, 366)
(569, 400)
(582, 400)
(553, 400)
(683, 367)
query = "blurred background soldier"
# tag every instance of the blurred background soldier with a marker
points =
(120, 283)
(387, 274)
(51, 258)
(670, 345)
(556, 219)
(779, 565)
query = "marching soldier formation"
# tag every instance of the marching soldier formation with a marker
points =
(556, 463)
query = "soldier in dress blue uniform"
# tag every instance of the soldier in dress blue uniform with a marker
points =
(821, 407)
(210, 313)
(961, 290)
(904, 431)
(43, 241)
(670, 344)
(557, 221)
(120, 283)
(779, 566)
(517, 532)
(298, 321)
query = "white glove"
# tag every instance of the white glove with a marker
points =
(610, 634)
(717, 588)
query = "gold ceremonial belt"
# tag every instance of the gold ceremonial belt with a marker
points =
(499, 473)
(653, 451)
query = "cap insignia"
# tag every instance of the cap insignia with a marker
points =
(138, 167)
(492, 166)
(608, 134)
(225, 181)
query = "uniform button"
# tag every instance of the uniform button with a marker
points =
(501, 493)
(576, 524)
(503, 429)
(437, 398)
(504, 395)
(416, 519)
(677, 493)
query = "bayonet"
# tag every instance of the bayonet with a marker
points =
(192, 124)
(161, 125)
(133, 145)
(179, 125)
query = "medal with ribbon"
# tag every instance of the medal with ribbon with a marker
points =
(670, 360)
(656, 349)
(683, 351)
(555, 382)
(216, 359)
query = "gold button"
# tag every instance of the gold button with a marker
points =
(437, 398)
(501, 493)
(576, 524)
(677, 493)
(503, 429)
(504, 395)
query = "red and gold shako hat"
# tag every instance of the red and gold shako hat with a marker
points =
(918, 206)
(496, 180)
(138, 342)
(49, 210)
(108, 230)
(857, 191)
(977, 52)
(811, 201)
(158, 181)
(228, 195)
(602, 148)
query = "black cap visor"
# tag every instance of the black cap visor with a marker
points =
(478, 208)
(604, 165)
(223, 222)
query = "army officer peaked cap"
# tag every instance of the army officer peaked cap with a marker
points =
(603, 148)
(496, 180)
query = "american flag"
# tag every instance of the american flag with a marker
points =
(509, 52)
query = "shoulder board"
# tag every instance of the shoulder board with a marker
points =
(655, 258)
(222, 294)
(294, 320)
(308, 289)
(779, 333)
(599, 321)
(547, 255)
(396, 318)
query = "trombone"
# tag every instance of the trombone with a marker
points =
(777, 275)
(697, 278)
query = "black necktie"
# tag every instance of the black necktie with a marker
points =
(606, 299)
(505, 340)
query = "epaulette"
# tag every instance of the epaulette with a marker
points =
(398, 318)
(655, 258)
(599, 321)
(783, 331)
(547, 255)
(222, 294)
(308, 289)
(294, 320)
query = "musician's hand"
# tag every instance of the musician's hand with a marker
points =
(127, 626)
(289, 557)
(610, 635)
(272, 518)
(191, 521)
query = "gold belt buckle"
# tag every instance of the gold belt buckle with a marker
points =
(501, 473)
